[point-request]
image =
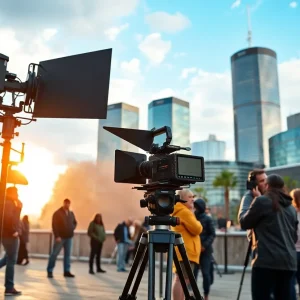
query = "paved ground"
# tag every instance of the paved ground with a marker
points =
(35, 286)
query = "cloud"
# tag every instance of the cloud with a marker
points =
(186, 72)
(155, 48)
(164, 22)
(49, 33)
(236, 4)
(210, 97)
(113, 32)
(179, 54)
(132, 66)
(289, 78)
(293, 4)
(168, 92)
(75, 17)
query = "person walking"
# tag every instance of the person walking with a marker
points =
(63, 226)
(96, 232)
(10, 238)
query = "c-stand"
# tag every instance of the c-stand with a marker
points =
(160, 241)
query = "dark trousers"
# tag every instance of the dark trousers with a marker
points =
(206, 270)
(11, 246)
(23, 253)
(264, 282)
(96, 249)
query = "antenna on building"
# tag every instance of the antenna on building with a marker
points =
(249, 37)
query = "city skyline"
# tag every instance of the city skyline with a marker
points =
(159, 51)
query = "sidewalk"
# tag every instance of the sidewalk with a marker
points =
(34, 284)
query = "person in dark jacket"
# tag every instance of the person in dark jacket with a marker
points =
(96, 232)
(63, 226)
(123, 240)
(274, 223)
(10, 238)
(24, 239)
(207, 237)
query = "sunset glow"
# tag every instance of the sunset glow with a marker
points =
(41, 173)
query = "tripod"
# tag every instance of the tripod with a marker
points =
(160, 241)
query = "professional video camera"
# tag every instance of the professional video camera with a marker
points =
(166, 171)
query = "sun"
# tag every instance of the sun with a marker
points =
(41, 172)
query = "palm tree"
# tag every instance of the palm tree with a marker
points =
(290, 183)
(201, 192)
(227, 180)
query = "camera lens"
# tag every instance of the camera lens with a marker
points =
(164, 201)
(145, 169)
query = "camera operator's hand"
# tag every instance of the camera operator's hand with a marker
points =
(256, 192)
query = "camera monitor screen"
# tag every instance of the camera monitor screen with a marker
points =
(190, 166)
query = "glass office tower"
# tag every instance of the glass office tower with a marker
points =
(174, 113)
(211, 149)
(118, 115)
(284, 147)
(256, 103)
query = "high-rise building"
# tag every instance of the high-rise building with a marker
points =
(256, 103)
(284, 147)
(118, 115)
(211, 149)
(174, 113)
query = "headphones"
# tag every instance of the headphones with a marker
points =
(252, 177)
(251, 181)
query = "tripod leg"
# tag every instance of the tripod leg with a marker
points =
(161, 266)
(151, 277)
(140, 251)
(139, 276)
(168, 292)
(181, 277)
(188, 269)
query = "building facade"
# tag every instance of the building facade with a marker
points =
(215, 195)
(174, 113)
(211, 149)
(118, 115)
(256, 103)
(284, 147)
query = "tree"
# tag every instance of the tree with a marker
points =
(91, 189)
(201, 193)
(290, 183)
(227, 180)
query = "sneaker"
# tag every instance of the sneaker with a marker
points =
(69, 274)
(50, 275)
(92, 272)
(12, 292)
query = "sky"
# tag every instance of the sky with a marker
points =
(160, 48)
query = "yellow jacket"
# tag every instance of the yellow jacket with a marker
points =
(190, 229)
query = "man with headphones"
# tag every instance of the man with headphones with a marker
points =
(256, 186)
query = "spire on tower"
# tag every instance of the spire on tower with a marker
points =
(249, 37)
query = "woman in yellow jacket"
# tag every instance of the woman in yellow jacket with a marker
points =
(190, 229)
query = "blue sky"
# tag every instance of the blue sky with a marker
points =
(160, 48)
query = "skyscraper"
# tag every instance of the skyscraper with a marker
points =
(256, 103)
(174, 113)
(118, 115)
(211, 149)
